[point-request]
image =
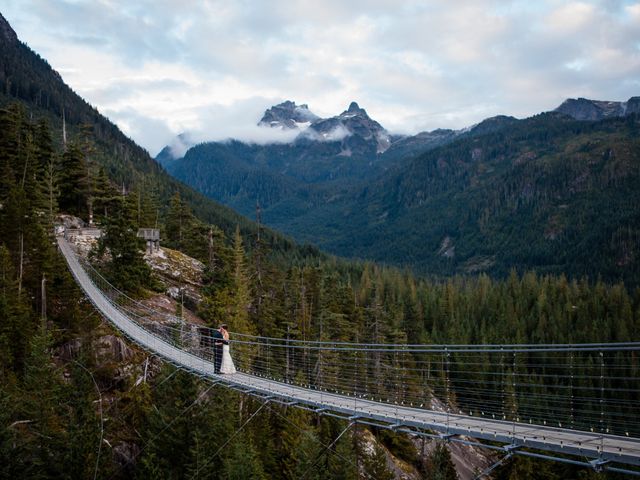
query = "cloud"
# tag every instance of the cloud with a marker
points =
(155, 131)
(213, 66)
(237, 120)
(336, 134)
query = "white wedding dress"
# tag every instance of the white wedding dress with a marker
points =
(227, 365)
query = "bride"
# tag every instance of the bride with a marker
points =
(227, 365)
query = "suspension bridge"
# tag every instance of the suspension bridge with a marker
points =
(577, 404)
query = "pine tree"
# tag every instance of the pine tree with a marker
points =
(105, 196)
(307, 457)
(74, 182)
(291, 435)
(84, 423)
(43, 188)
(242, 462)
(439, 464)
(127, 268)
(15, 327)
(376, 465)
(178, 218)
(42, 391)
(239, 318)
(171, 446)
(7, 449)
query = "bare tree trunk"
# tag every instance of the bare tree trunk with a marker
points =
(43, 298)
(21, 263)
(51, 187)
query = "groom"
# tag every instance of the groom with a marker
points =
(218, 342)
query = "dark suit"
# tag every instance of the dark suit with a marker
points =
(218, 342)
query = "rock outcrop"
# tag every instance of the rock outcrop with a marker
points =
(585, 109)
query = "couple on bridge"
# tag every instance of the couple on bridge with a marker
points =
(222, 360)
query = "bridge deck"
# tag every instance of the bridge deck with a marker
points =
(594, 445)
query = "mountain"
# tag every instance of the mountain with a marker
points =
(353, 126)
(27, 78)
(423, 141)
(287, 178)
(177, 149)
(585, 109)
(327, 156)
(287, 116)
(548, 192)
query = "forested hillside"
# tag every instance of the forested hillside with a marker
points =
(548, 193)
(28, 78)
(78, 401)
(56, 422)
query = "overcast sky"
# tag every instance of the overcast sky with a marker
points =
(161, 67)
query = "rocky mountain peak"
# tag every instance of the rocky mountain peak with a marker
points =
(354, 128)
(354, 109)
(287, 115)
(6, 32)
(586, 109)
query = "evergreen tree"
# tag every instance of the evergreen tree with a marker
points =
(74, 183)
(42, 392)
(376, 465)
(15, 328)
(177, 221)
(105, 196)
(126, 268)
(439, 464)
(291, 427)
(239, 315)
(83, 426)
(242, 462)
(9, 453)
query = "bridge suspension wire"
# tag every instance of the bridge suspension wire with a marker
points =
(592, 388)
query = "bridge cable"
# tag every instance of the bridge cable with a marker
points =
(307, 433)
(168, 425)
(327, 448)
(491, 468)
(229, 439)
(95, 471)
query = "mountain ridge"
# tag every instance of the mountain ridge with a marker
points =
(589, 110)
(29, 79)
(6, 31)
(419, 203)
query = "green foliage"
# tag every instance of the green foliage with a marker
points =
(48, 411)
(376, 465)
(439, 464)
(41, 392)
(7, 450)
(399, 445)
(242, 462)
(126, 267)
(543, 193)
(74, 182)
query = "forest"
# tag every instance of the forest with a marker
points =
(73, 409)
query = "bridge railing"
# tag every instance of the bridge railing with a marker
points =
(592, 387)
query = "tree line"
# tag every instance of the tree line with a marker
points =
(53, 381)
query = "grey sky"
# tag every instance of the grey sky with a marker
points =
(160, 67)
